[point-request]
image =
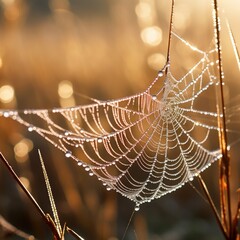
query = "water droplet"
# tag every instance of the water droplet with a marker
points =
(137, 208)
(66, 133)
(108, 188)
(68, 154)
(31, 128)
(160, 73)
(87, 169)
(6, 114)
(79, 163)
(154, 97)
(99, 140)
(190, 179)
(90, 174)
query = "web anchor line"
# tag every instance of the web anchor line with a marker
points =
(146, 145)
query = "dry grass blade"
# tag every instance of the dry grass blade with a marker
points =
(225, 161)
(50, 196)
(63, 231)
(210, 201)
(74, 234)
(56, 222)
(16, 178)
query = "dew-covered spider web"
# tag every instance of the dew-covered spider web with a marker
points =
(146, 145)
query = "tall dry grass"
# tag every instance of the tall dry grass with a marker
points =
(97, 47)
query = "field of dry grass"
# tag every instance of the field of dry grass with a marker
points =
(52, 51)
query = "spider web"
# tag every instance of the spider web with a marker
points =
(146, 145)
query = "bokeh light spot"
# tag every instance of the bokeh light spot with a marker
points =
(6, 94)
(65, 89)
(144, 12)
(22, 148)
(152, 35)
(156, 61)
(8, 2)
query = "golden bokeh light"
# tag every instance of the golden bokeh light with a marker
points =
(144, 12)
(182, 21)
(8, 2)
(6, 94)
(152, 35)
(156, 61)
(12, 9)
(65, 89)
(22, 148)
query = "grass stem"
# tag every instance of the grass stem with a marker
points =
(225, 162)
(209, 198)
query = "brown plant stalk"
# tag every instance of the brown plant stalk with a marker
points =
(225, 202)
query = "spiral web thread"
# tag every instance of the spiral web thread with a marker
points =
(146, 145)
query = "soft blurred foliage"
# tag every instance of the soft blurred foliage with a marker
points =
(53, 50)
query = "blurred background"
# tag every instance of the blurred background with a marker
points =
(52, 50)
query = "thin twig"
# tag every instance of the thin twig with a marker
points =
(225, 163)
(170, 33)
(16, 178)
(74, 234)
(203, 185)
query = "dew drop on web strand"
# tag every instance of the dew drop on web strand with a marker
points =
(6, 114)
(154, 97)
(160, 74)
(79, 163)
(137, 208)
(68, 154)
(31, 128)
